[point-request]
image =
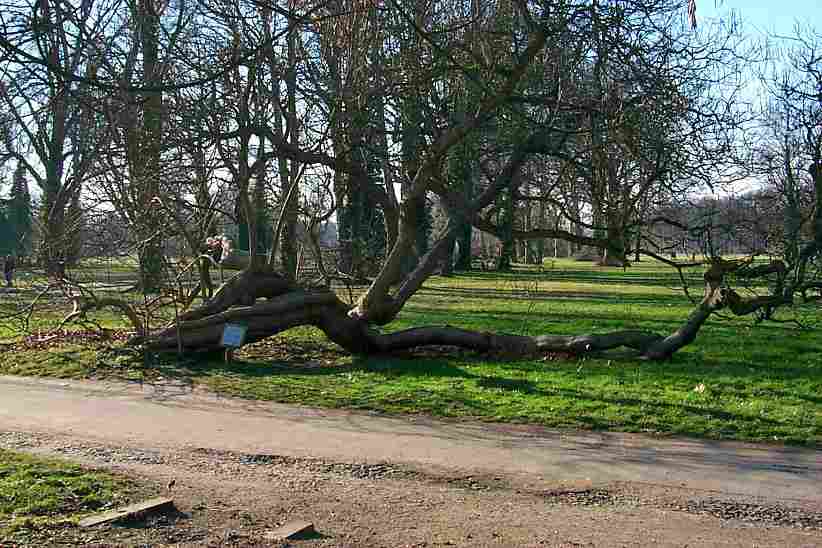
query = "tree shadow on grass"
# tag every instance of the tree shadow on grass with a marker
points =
(496, 319)
(461, 399)
(525, 386)
(458, 400)
(817, 400)
(714, 372)
(707, 367)
(449, 362)
(246, 368)
(513, 385)
(513, 322)
(599, 273)
(523, 294)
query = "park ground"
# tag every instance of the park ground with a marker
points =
(242, 468)
(740, 381)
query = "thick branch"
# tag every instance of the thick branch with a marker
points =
(538, 233)
(324, 310)
(83, 305)
(375, 305)
(743, 307)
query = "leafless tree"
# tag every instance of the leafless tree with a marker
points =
(588, 107)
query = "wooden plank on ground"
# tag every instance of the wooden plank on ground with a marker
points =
(159, 503)
(290, 530)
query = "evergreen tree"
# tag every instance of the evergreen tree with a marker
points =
(506, 224)
(361, 220)
(461, 175)
(6, 231)
(18, 214)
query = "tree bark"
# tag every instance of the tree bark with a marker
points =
(289, 307)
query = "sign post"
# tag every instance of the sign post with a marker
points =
(233, 337)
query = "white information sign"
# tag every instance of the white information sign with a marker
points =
(233, 335)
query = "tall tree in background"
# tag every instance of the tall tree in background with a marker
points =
(144, 141)
(18, 213)
(414, 54)
(790, 153)
(44, 109)
(287, 129)
(86, 139)
(351, 46)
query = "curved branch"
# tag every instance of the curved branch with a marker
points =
(83, 305)
(539, 233)
(744, 307)
(324, 310)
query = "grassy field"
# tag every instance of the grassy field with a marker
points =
(37, 493)
(737, 381)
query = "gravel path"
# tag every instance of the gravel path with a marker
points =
(232, 499)
(231, 494)
(174, 415)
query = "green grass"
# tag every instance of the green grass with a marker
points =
(38, 493)
(737, 381)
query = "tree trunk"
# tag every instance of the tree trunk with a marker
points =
(448, 260)
(53, 239)
(506, 230)
(289, 236)
(464, 174)
(144, 151)
(288, 306)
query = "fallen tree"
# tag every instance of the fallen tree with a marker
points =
(289, 306)
(353, 326)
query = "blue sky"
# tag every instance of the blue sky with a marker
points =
(760, 18)
(765, 16)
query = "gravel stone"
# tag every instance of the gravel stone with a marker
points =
(767, 514)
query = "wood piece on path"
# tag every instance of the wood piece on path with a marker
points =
(160, 503)
(290, 530)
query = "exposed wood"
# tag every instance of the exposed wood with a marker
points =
(151, 505)
(290, 530)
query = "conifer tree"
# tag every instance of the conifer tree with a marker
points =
(19, 213)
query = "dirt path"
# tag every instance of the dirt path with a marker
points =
(366, 480)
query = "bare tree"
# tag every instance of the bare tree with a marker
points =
(561, 99)
(50, 128)
(790, 153)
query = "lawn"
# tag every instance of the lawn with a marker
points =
(38, 493)
(738, 380)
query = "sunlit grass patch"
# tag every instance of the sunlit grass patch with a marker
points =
(38, 493)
